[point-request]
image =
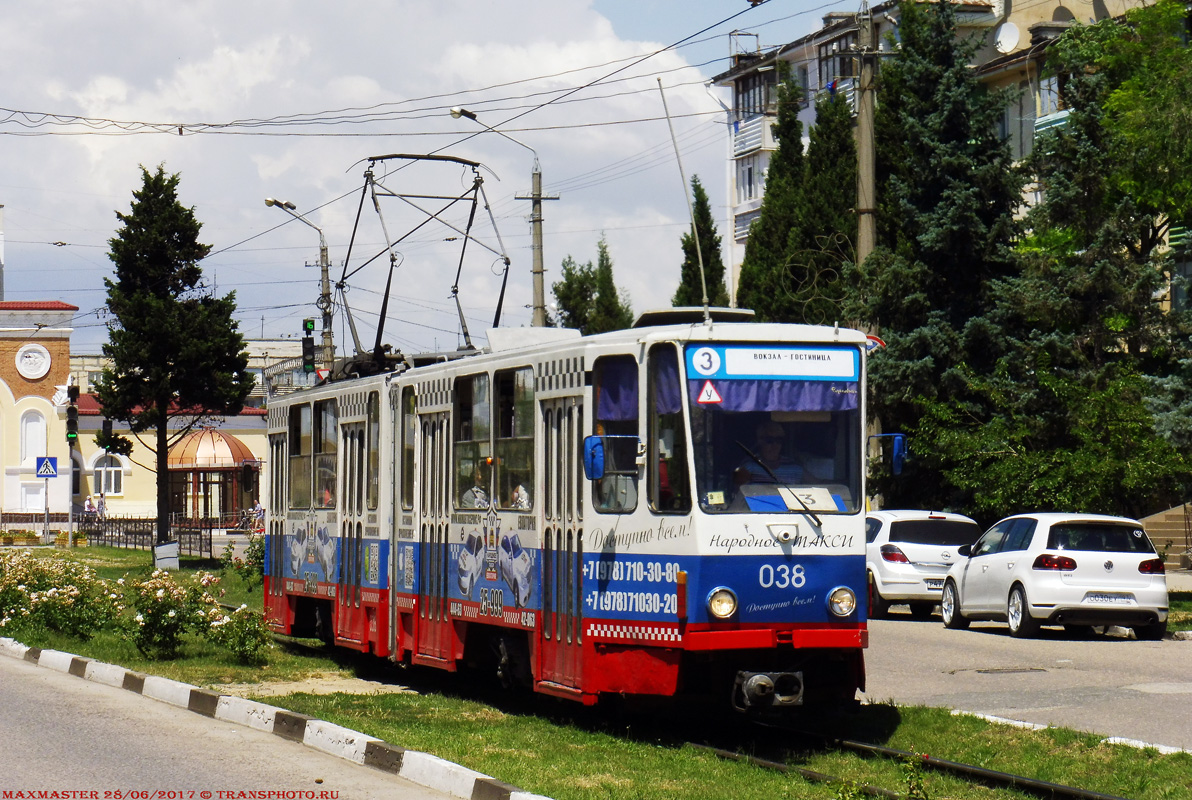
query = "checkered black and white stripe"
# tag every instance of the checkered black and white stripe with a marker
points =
(564, 376)
(434, 395)
(639, 633)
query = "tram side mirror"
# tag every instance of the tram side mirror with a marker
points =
(594, 458)
(898, 456)
(611, 455)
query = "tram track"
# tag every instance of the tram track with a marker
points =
(968, 772)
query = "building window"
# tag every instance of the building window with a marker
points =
(755, 93)
(836, 59)
(1049, 96)
(749, 183)
(109, 476)
(33, 437)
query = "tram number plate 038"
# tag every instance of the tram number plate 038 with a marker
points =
(492, 602)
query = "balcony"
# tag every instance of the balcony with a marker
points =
(753, 134)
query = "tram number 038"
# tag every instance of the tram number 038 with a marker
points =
(781, 577)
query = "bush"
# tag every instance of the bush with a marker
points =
(251, 568)
(55, 593)
(165, 610)
(242, 632)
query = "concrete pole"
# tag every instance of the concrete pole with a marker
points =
(866, 170)
(538, 269)
(325, 303)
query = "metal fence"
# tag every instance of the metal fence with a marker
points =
(140, 533)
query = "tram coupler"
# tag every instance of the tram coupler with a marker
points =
(761, 690)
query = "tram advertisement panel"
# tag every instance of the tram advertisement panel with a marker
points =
(312, 555)
(489, 565)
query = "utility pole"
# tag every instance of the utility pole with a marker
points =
(866, 189)
(537, 268)
(324, 302)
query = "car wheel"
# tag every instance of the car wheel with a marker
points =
(1018, 615)
(879, 607)
(950, 608)
(922, 610)
(1151, 633)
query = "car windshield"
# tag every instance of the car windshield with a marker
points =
(513, 546)
(775, 428)
(1099, 537)
(952, 533)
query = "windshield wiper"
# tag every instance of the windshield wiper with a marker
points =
(774, 478)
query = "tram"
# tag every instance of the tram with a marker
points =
(588, 516)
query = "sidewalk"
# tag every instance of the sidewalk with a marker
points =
(1179, 580)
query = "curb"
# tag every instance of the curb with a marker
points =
(423, 769)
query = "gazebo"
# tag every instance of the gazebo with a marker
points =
(212, 475)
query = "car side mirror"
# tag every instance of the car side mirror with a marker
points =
(965, 550)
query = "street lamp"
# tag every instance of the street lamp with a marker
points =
(324, 267)
(536, 197)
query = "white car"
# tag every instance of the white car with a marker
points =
(471, 562)
(515, 568)
(907, 555)
(1075, 570)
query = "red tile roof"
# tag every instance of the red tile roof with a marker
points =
(36, 305)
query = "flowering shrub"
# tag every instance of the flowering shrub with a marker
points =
(242, 632)
(165, 610)
(55, 593)
(251, 568)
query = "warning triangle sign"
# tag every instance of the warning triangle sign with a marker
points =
(708, 394)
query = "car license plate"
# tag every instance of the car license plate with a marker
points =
(1107, 597)
(935, 583)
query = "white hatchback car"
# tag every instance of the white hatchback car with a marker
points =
(1075, 570)
(907, 555)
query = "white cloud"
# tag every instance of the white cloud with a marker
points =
(209, 62)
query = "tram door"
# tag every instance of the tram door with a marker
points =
(276, 605)
(434, 630)
(350, 621)
(562, 542)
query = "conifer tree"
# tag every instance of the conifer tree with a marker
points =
(587, 296)
(691, 285)
(610, 308)
(177, 356)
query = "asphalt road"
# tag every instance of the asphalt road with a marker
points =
(1110, 686)
(71, 735)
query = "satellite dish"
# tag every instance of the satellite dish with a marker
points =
(1005, 38)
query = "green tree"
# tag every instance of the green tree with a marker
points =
(587, 296)
(610, 308)
(822, 246)
(574, 293)
(176, 355)
(947, 195)
(691, 284)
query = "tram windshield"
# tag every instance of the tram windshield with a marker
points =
(775, 428)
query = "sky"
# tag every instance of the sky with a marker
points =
(250, 100)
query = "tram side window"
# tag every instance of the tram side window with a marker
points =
(615, 387)
(669, 483)
(409, 427)
(515, 438)
(472, 456)
(300, 456)
(373, 478)
(326, 445)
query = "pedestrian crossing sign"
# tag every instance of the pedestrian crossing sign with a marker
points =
(47, 467)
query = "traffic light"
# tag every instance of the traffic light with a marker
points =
(107, 429)
(72, 424)
(308, 353)
(308, 326)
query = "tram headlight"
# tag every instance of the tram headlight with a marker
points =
(722, 603)
(842, 602)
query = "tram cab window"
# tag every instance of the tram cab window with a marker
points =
(515, 438)
(472, 457)
(615, 390)
(775, 427)
(668, 481)
(300, 455)
(409, 427)
(326, 444)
